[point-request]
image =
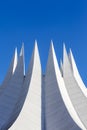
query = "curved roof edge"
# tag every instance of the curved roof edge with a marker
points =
(10, 71)
(70, 106)
(53, 96)
(32, 104)
(77, 75)
(12, 91)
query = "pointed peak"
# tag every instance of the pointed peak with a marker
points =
(65, 55)
(15, 52)
(52, 62)
(22, 58)
(15, 60)
(51, 44)
(70, 51)
(64, 49)
(35, 41)
(35, 52)
(64, 46)
(71, 55)
(51, 50)
(35, 59)
(22, 50)
(35, 46)
(52, 53)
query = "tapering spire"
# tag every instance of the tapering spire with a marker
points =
(53, 86)
(66, 62)
(50, 56)
(64, 51)
(51, 45)
(22, 56)
(77, 75)
(51, 50)
(36, 48)
(52, 59)
(34, 58)
(33, 83)
(73, 89)
(36, 42)
(15, 60)
(11, 69)
(22, 50)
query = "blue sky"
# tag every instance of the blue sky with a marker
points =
(59, 20)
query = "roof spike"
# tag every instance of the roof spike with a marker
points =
(64, 47)
(15, 60)
(51, 47)
(22, 50)
(65, 55)
(35, 92)
(16, 54)
(52, 42)
(35, 57)
(16, 50)
(35, 46)
(36, 41)
(22, 55)
(52, 57)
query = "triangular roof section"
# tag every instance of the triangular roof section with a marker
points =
(77, 98)
(77, 75)
(53, 97)
(11, 95)
(15, 61)
(32, 106)
(10, 71)
(22, 56)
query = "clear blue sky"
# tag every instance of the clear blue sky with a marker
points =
(59, 20)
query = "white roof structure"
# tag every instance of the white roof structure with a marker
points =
(77, 98)
(56, 100)
(56, 114)
(10, 72)
(11, 94)
(30, 116)
(76, 74)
